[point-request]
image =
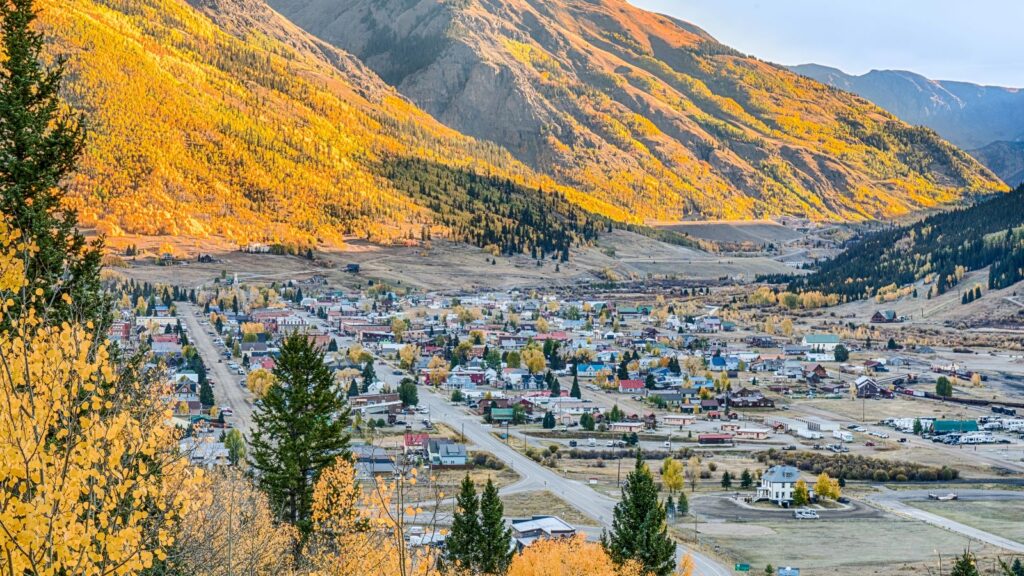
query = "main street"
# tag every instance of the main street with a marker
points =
(227, 389)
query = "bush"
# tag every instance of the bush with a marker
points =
(712, 466)
(853, 467)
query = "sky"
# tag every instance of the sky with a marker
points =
(976, 41)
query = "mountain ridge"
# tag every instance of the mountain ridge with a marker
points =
(644, 111)
(968, 115)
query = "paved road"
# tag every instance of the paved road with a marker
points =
(226, 388)
(895, 501)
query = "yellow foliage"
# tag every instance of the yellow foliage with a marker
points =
(568, 557)
(89, 476)
(232, 530)
(259, 381)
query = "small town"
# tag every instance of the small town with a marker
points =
(753, 422)
(511, 288)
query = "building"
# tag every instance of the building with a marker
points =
(445, 453)
(868, 387)
(631, 386)
(821, 342)
(947, 426)
(371, 461)
(886, 317)
(777, 484)
(528, 530)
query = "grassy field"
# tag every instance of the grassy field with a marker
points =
(1004, 518)
(526, 504)
(754, 231)
(846, 548)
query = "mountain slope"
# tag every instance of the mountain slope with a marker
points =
(222, 118)
(938, 249)
(1006, 159)
(968, 115)
(644, 111)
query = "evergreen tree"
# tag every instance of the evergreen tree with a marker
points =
(575, 391)
(299, 429)
(555, 387)
(746, 479)
(495, 539)
(353, 389)
(40, 143)
(332, 346)
(549, 420)
(369, 375)
(639, 531)
(682, 505)
(649, 382)
(587, 422)
(670, 505)
(206, 394)
(965, 565)
(463, 538)
(1017, 569)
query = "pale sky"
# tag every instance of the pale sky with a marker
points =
(978, 41)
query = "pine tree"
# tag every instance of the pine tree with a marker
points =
(40, 143)
(462, 542)
(639, 531)
(587, 421)
(575, 391)
(553, 385)
(206, 394)
(549, 420)
(299, 429)
(682, 505)
(495, 543)
(353, 389)
(746, 479)
(965, 565)
(726, 480)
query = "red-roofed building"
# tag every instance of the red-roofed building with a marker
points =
(631, 386)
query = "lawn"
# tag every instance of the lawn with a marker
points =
(841, 548)
(1002, 518)
(526, 504)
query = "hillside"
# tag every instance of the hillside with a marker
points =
(646, 112)
(970, 116)
(222, 118)
(939, 250)
(1006, 159)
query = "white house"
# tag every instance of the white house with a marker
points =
(777, 484)
(821, 342)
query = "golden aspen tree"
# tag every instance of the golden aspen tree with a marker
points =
(568, 557)
(231, 529)
(90, 479)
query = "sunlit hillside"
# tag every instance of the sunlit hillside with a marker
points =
(646, 112)
(221, 118)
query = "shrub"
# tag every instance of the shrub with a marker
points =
(880, 476)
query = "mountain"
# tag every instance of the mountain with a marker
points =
(970, 116)
(1006, 159)
(644, 111)
(938, 250)
(220, 117)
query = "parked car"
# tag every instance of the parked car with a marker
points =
(805, 514)
(572, 443)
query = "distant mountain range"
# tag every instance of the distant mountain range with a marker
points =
(648, 113)
(988, 121)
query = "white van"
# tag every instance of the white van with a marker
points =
(805, 514)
